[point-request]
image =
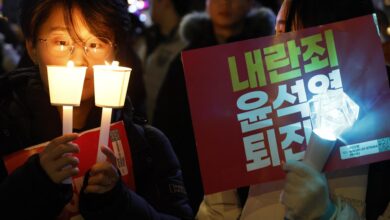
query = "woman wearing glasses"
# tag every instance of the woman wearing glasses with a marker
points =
(88, 32)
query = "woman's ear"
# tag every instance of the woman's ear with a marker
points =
(32, 52)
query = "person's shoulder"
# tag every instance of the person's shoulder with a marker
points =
(192, 25)
(261, 21)
(261, 13)
(140, 127)
(17, 78)
(22, 73)
(153, 136)
(151, 133)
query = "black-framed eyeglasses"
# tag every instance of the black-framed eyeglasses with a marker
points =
(63, 46)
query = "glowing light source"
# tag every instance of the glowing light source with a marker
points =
(143, 17)
(140, 5)
(65, 89)
(110, 82)
(110, 85)
(332, 113)
(137, 6)
(132, 8)
(66, 84)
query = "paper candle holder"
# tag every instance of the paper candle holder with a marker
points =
(66, 84)
(110, 85)
(110, 82)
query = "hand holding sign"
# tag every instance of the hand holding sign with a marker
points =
(305, 193)
(253, 112)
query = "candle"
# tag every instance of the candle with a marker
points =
(65, 88)
(67, 119)
(110, 82)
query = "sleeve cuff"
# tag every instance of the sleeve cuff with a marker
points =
(99, 204)
(330, 212)
(64, 192)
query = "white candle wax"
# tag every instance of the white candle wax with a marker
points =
(67, 119)
(104, 132)
(67, 127)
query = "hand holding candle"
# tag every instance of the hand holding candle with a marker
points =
(65, 88)
(60, 169)
(110, 82)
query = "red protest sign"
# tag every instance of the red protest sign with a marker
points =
(249, 100)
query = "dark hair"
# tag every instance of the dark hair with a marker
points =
(104, 18)
(309, 13)
(182, 7)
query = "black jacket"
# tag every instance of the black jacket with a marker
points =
(172, 102)
(27, 118)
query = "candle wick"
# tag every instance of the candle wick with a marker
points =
(115, 63)
(70, 63)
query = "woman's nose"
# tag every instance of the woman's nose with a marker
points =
(78, 56)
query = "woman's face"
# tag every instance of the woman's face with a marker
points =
(227, 13)
(54, 37)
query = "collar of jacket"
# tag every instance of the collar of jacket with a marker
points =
(196, 28)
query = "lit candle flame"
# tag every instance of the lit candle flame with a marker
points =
(114, 63)
(70, 63)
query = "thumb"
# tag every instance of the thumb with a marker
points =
(110, 155)
(298, 167)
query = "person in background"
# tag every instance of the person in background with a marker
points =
(10, 44)
(306, 194)
(159, 45)
(12, 39)
(303, 14)
(11, 11)
(273, 4)
(223, 21)
(88, 32)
